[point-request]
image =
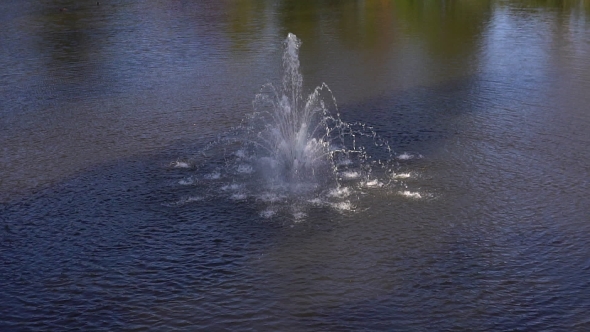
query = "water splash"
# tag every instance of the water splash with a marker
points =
(294, 153)
(297, 135)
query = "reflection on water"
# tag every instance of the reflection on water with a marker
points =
(105, 226)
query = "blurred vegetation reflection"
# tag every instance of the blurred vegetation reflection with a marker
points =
(445, 27)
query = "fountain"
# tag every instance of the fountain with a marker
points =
(296, 134)
(293, 153)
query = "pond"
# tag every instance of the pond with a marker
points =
(294, 165)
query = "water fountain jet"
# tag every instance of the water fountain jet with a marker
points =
(296, 152)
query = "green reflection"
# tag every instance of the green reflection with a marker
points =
(246, 18)
(566, 5)
(444, 27)
(67, 31)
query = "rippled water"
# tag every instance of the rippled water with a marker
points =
(104, 226)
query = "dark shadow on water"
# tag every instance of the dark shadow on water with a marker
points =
(112, 248)
(103, 251)
(420, 120)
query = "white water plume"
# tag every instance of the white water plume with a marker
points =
(296, 151)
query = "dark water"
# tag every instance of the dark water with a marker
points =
(489, 100)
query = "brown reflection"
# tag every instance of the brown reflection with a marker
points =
(567, 5)
(446, 27)
(364, 48)
(66, 31)
(246, 18)
(69, 42)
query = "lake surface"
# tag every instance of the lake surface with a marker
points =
(116, 215)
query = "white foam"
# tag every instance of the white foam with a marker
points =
(345, 162)
(239, 196)
(411, 194)
(270, 197)
(180, 164)
(402, 176)
(408, 156)
(212, 176)
(316, 201)
(350, 175)
(268, 213)
(186, 181)
(245, 169)
(299, 216)
(405, 156)
(241, 154)
(343, 206)
(185, 200)
(339, 192)
(231, 187)
(373, 183)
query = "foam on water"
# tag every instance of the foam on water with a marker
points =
(187, 181)
(350, 175)
(192, 199)
(343, 206)
(299, 216)
(316, 201)
(270, 197)
(246, 169)
(411, 194)
(180, 164)
(212, 176)
(232, 187)
(339, 192)
(268, 213)
(408, 156)
(241, 154)
(186, 200)
(239, 196)
(372, 183)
